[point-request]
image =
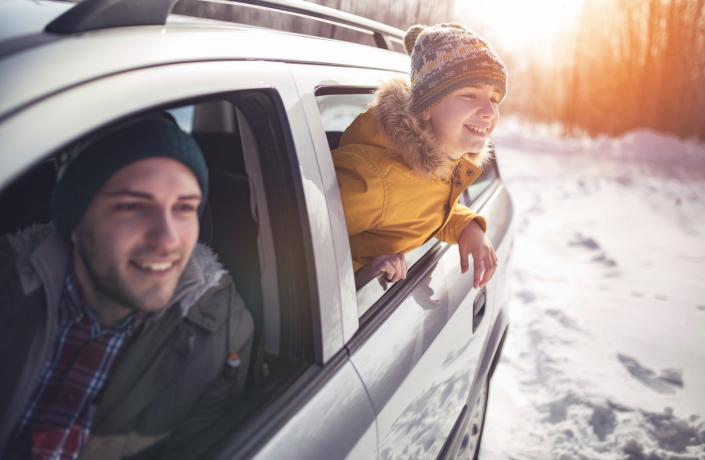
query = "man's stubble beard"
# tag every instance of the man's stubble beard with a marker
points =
(109, 287)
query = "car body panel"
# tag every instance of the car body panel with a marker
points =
(318, 431)
(419, 384)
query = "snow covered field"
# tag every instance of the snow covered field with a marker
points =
(605, 357)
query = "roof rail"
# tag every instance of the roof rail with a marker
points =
(102, 14)
(381, 32)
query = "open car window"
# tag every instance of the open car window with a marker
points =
(338, 108)
(256, 239)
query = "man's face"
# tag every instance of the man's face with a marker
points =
(137, 235)
(463, 120)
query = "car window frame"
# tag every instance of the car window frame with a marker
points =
(372, 296)
(373, 291)
(154, 87)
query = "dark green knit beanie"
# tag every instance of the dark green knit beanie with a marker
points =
(87, 166)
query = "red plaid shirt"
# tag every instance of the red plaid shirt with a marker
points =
(57, 420)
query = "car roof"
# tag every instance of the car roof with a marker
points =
(19, 18)
(74, 58)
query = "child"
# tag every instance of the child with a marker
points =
(403, 164)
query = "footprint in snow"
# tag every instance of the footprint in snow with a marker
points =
(526, 296)
(701, 307)
(602, 259)
(564, 320)
(586, 242)
(665, 382)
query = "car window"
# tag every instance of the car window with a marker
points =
(256, 241)
(184, 116)
(338, 108)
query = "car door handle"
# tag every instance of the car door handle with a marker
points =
(478, 309)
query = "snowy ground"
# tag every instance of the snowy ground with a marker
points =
(605, 357)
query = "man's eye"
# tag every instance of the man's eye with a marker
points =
(470, 96)
(133, 206)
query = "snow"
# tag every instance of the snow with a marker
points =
(605, 357)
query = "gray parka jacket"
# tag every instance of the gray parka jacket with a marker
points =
(173, 380)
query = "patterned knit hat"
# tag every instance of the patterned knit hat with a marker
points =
(85, 167)
(446, 57)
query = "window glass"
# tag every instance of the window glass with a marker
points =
(183, 116)
(339, 110)
(489, 174)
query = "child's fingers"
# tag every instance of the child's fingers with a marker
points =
(490, 268)
(388, 269)
(392, 269)
(404, 268)
(463, 253)
(479, 270)
(396, 276)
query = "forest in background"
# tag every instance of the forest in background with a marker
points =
(627, 64)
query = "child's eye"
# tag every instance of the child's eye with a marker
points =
(185, 207)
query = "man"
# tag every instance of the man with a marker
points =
(120, 334)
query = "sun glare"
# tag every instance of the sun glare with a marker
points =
(519, 24)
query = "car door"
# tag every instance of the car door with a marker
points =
(321, 409)
(419, 343)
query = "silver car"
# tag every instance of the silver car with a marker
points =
(342, 371)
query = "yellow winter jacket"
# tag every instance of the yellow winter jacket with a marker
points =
(397, 190)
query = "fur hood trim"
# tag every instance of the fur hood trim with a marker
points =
(411, 136)
(24, 242)
(208, 271)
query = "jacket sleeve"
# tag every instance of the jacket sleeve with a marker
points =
(459, 219)
(361, 190)
(222, 402)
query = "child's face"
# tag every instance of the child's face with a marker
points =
(463, 120)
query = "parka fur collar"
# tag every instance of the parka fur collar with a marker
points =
(412, 137)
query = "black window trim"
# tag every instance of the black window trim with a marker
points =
(333, 90)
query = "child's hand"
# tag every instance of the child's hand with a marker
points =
(473, 241)
(392, 266)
